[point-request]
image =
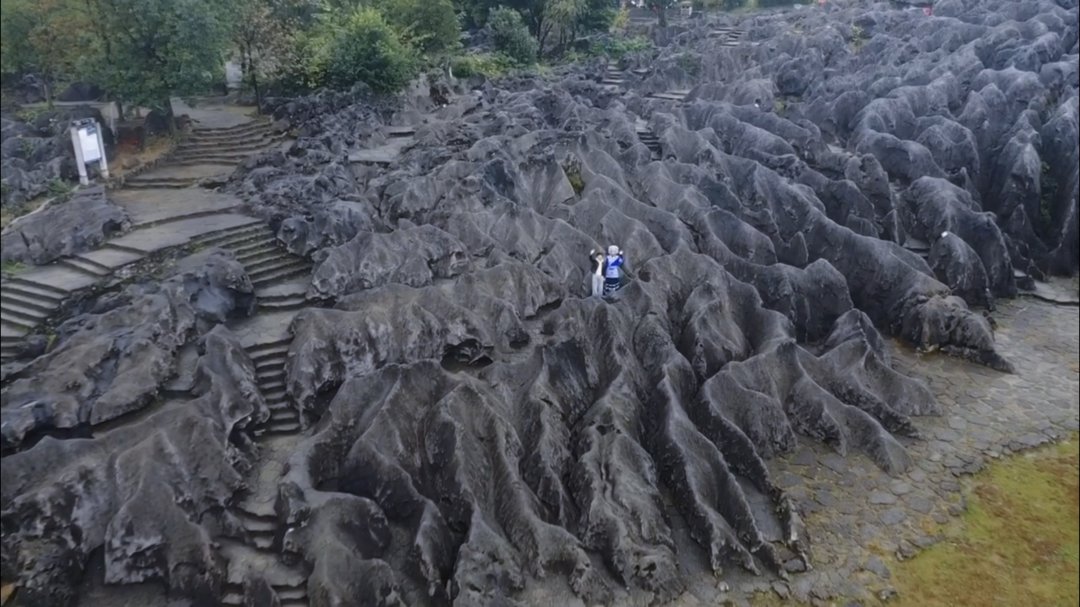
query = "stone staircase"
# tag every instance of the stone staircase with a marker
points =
(225, 146)
(397, 139)
(728, 36)
(269, 359)
(230, 145)
(288, 583)
(651, 141)
(613, 76)
(24, 304)
(260, 551)
(268, 264)
(678, 95)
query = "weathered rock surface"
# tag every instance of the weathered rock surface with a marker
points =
(476, 423)
(83, 222)
(112, 360)
(150, 494)
(34, 156)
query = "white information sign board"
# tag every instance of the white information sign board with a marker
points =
(89, 147)
(88, 141)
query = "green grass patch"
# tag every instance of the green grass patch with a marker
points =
(1018, 543)
(10, 268)
(488, 65)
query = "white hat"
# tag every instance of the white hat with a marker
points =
(613, 250)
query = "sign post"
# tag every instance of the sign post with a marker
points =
(86, 139)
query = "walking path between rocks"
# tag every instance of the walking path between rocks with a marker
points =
(859, 519)
(163, 216)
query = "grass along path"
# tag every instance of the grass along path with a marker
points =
(1018, 543)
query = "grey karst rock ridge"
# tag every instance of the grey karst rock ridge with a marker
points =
(113, 360)
(59, 231)
(608, 390)
(36, 154)
(151, 492)
(470, 424)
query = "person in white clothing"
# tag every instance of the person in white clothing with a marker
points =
(596, 258)
(613, 268)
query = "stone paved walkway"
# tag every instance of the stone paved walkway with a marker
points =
(860, 519)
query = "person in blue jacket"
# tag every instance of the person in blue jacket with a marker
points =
(613, 269)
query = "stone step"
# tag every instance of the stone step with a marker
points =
(29, 302)
(216, 156)
(289, 303)
(43, 289)
(158, 185)
(262, 542)
(669, 96)
(238, 241)
(211, 158)
(270, 355)
(146, 177)
(266, 347)
(267, 277)
(11, 309)
(284, 291)
(235, 236)
(111, 246)
(254, 261)
(30, 296)
(110, 258)
(277, 384)
(257, 525)
(84, 266)
(280, 260)
(236, 599)
(613, 81)
(255, 247)
(238, 145)
(400, 131)
(267, 366)
(270, 373)
(281, 405)
(272, 428)
(240, 137)
(14, 325)
(281, 417)
(291, 594)
(238, 129)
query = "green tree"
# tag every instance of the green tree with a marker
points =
(429, 25)
(264, 33)
(363, 48)
(159, 48)
(556, 24)
(511, 36)
(43, 37)
(660, 8)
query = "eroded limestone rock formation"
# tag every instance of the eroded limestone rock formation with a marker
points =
(112, 360)
(477, 423)
(81, 223)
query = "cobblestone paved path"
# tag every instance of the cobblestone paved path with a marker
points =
(858, 517)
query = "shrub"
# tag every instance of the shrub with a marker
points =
(430, 25)
(363, 48)
(511, 36)
(483, 64)
(621, 20)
